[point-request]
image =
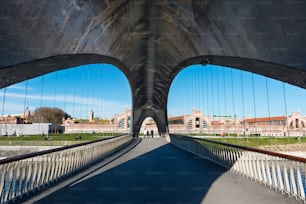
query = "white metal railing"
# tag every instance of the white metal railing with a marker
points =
(26, 173)
(281, 172)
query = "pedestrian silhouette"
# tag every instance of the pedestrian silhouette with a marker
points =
(147, 133)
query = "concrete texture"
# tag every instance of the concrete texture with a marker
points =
(152, 40)
(158, 172)
(10, 151)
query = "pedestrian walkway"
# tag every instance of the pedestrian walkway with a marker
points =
(158, 172)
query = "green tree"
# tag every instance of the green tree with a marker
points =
(49, 115)
(102, 120)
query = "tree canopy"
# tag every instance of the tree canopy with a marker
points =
(49, 115)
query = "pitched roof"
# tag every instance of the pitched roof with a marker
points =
(176, 118)
(266, 119)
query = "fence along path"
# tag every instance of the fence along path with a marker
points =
(281, 172)
(25, 174)
(158, 172)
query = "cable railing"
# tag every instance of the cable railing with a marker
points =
(24, 174)
(281, 172)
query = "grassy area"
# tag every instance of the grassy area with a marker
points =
(52, 139)
(260, 141)
(209, 134)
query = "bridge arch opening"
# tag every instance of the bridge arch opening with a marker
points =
(92, 96)
(149, 128)
(223, 101)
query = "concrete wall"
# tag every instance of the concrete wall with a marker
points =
(89, 128)
(28, 129)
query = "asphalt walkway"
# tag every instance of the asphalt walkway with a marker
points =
(158, 172)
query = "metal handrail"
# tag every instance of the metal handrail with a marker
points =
(23, 174)
(252, 149)
(48, 151)
(284, 173)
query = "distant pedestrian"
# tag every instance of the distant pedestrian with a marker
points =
(152, 133)
(148, 133)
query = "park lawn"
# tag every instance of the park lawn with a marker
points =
(260, 141)
(52, 139)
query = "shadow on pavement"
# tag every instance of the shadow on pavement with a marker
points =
(164, 175)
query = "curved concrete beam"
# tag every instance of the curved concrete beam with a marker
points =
(275, 71)
(28, 70)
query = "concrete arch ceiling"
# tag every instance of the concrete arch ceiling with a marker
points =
(152, 40)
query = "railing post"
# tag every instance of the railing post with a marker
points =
(286, 180)
(244, 164)
(279, 177)
(29, 175)
(263, 170)
(293, 189)
(17, 179)
(301, 192)
(269, 177)
(9, 182)
(253, 162)
(259, 174)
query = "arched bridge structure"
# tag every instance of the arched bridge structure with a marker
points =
(151, 41)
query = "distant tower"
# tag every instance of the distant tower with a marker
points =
(235, 119)
(91, 116)
(26, 114)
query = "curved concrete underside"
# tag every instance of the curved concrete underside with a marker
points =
(152, 40)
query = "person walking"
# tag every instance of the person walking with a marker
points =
(147, 133)
(152, 133)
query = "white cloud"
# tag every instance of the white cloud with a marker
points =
(12, 109)
(101, 107)
(19, 87)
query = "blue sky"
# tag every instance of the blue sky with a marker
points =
(214, 89)
(104, 89)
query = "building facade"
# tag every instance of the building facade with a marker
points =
(121, 122)
(194, 123)
(293, 125)
(198, 123)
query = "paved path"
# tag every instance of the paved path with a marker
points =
(157, 172)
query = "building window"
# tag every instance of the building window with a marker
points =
(121, 124)
(176, 122)
(189, 124)
(204, 124)
(197, 122)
